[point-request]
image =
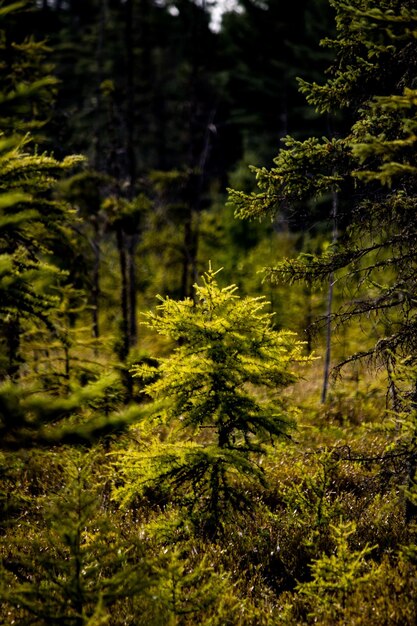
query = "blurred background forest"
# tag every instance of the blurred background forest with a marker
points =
(169, 113)
(174, 449)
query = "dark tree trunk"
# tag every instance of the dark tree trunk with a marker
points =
(186, 259)
(133, 328)
(130, 100)
(411, 498)
(95, 291)
(124, 327)
(329, 308)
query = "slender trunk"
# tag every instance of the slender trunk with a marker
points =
(392, 390)
(131, 133)
(309, 317)
(186, 259)
(99, 148)
(130, 100)
(95, 291)
(98, 164)
(327, 359)
(199, 150)
(124, 344)
(133, 329)
(159, 106)
(411, 497)
(194, 254)
(192, 224)
(283, 118)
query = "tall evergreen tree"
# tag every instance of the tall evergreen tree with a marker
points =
(31, 219)
(371, 167)
(32, 224)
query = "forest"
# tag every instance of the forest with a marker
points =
(208, 313)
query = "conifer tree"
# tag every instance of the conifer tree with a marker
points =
(372, 168)
(32, 223)
(336, 577)
(216, 427)
(26, 73)
(73, 565)
(284, 36)
(30, 218)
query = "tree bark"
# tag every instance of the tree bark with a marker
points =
(327, 359)
(133, 327)
(121, 246)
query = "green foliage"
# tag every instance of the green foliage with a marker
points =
(30, 418)
(371, 166)
(29, 221)
(208, 509)
(76, 566)
(335, 577)
(303, 169)
(349, 588)
(188, 592)
(33, 224)
(27, 85)
(312, 500)
(217, 429)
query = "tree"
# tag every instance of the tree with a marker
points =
(264, 101)
(371, 168)
(26, 80)
(33, 223)
(30, 219)
(216, 428)
(77, 564)
(127, 218)
(336, 577)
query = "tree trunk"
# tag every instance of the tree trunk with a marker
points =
(327, 359)
(130, 100)
(124, 328)
(411, 496)
(309, 317)
(186, 258)
(133, 327)
(95, 291)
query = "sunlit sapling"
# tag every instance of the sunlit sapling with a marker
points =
(218, 396)
(191, 590)
(77, 567)
(337, 577)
